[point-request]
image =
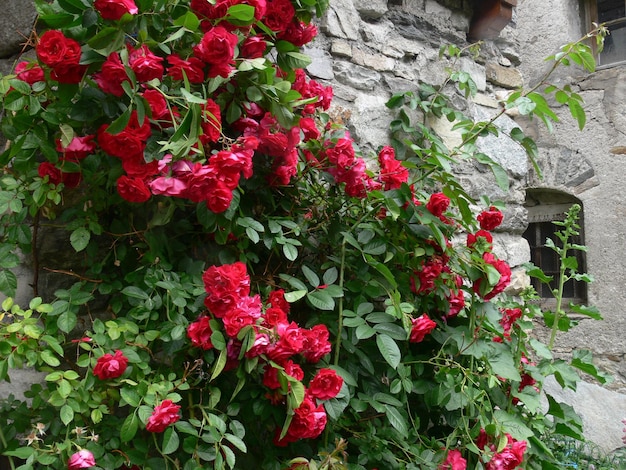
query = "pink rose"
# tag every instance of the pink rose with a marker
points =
(29, 72)
(81, 459)
(163, 415)
(115, 9)
(110, 366)
(421, 327)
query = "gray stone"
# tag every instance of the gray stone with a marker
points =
(476, 72)
(372, 9)
(16, 24)
(506, 77)
(322, 65)
(601, 411)
(342, 20)
(356, 76)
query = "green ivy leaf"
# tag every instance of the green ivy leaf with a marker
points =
(397, 420)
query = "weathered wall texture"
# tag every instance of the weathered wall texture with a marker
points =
(369, 50)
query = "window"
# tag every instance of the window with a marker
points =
(544, 207)
(613, 13)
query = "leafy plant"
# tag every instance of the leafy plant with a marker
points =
(244, 291)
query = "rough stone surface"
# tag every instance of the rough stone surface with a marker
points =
(601, 411)
(503, 76)
(16, 24)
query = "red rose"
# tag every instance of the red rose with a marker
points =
(81, 459)
(110, 366)
(146, 65)
(292, 340)
(111, 75)
(199, 332)
(253, 47)
(270, 375)
(52, 172)
(505, 277)
(325, 385)
(298, 33)
(211, 122)
(115, 9)
(490, 219)
(219, 199)
(308, 422)
(29, 72)
(54, 48)
(225, 285)
(217, 46)
(472, 238)
(438, 204)
(193, 68)
(454, 461)
(421, 327)
(133, 189)
(315, 344)
(278, 15)
(277, 299)
(158, 105)
(245, 313)
(163, 415)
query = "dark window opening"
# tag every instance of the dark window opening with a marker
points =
(613, 13)
(545, 206)
(548, 260)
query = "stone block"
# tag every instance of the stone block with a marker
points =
(372, 9)
(16, 24)
(341, 48)
(505, 77)
(342, 20)
(356, 76)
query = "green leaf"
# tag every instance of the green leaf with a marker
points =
(320, 299)
(583, 360)
(513, 424)
(129, 427)
(80, 238)
(219, 364)
(294, 296)
(388, 349)
(66, 414)
(170, 441)
(135, 293)
(313, 278)
(241, 13)
(396, 420)
(67, 321)
(236, 441)
(49, 358)
(130, 396)
(290, 251)
(21, 453)
(189, 21)
(8, 282)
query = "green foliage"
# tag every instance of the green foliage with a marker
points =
(430, 356)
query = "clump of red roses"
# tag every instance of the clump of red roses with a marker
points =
(277, 342)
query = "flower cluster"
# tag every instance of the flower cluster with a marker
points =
(276, 341)
(509, 458)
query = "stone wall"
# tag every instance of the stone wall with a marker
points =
(369, 50)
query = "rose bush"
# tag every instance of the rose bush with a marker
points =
(248, 290)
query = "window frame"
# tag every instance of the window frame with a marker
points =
(591, 17)
(551, 206)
